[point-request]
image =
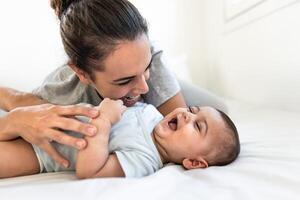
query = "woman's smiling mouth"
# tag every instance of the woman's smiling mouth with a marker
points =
(130, 100)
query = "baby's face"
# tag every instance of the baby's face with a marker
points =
(189, 132)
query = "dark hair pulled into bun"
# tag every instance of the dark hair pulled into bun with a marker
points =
(61, 6)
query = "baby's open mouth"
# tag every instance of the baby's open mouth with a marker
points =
(173, 124)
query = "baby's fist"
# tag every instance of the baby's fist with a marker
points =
(111, 109)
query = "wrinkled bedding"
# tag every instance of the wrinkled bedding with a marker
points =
(268, 168)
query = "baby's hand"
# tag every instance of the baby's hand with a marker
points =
(111, 110)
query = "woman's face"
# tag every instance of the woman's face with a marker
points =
(125, 72)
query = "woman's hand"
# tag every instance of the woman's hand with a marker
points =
(111, 110)
(44, 123)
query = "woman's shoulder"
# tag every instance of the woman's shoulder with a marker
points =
(62, 73)
(62, 86)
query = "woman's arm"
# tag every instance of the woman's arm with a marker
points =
(41, 124)
(94, 160)
(162, 85)
(44, 123)
(6, 129)
(11, 98)
(175, 102)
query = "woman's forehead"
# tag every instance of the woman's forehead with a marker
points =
(128, 57)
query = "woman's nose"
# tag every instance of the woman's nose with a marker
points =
(141, 86)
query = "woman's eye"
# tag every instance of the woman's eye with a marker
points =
(124, 83)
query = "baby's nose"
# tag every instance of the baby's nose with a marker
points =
(184, 116)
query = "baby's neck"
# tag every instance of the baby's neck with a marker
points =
(161, 151)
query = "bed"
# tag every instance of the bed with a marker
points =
(267, 168)
(251, 57)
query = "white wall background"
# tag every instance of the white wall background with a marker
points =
(30, 45)
(255, 57)
(251, 56)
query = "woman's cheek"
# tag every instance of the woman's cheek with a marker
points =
(121, 92)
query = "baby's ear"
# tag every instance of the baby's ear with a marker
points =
(194, 163)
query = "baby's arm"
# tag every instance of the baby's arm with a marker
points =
(94, 160)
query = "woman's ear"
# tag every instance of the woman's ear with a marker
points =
(82, 75)
(194, 163)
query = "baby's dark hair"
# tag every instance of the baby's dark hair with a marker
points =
(229, 148)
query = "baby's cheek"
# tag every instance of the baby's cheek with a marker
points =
(190, 129)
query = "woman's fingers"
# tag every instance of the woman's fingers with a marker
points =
(72, 124)
(65, 139)
(41, 123)
(52, 152)
(73, 110)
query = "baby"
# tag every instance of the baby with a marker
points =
(140, 142)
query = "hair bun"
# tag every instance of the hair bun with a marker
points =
(60, 6)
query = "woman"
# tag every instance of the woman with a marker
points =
(109, 56)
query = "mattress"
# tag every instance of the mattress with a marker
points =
(267, 168)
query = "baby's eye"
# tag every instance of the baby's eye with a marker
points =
(197, 126)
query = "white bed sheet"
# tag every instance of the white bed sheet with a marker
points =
(267, 168)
